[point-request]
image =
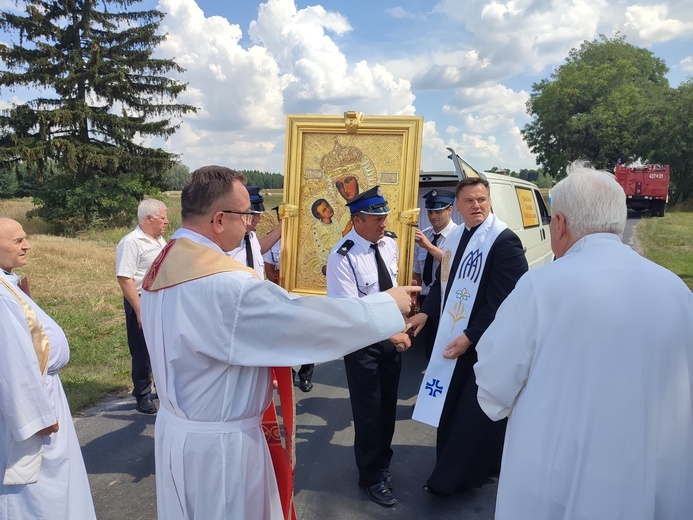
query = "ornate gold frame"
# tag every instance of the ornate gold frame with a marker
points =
(321, 151)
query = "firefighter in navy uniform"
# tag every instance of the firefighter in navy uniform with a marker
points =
(365, 262)
(427, 254)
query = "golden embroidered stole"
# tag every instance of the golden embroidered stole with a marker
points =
(38, 335)
(183, 260)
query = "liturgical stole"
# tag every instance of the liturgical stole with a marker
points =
(198, 261)
(455, 311)
(24, 458)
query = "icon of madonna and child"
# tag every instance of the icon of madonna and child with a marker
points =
(344, 173)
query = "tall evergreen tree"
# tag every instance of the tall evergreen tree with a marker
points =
(103, 94)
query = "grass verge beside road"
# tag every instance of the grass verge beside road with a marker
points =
(668, 241)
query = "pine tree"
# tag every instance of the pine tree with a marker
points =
(102, 94)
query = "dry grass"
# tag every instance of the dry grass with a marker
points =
(73, 280)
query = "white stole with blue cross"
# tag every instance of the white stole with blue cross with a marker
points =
(455, 312)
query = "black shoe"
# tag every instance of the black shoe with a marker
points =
(305, 385)
(146, 405)
(379, 494)
(434, 491)
(387, 479)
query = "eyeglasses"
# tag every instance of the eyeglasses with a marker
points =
(248, 215)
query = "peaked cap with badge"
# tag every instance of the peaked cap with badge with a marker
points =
(256, 200)
(370, 202)
(439, 199)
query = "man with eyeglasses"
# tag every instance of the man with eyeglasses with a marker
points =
(214, 331)
(252, 248)
(134, 254)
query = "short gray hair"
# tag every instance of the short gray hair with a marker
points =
(591, 201)
(147, 207)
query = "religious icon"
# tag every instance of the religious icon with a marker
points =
(329, 161)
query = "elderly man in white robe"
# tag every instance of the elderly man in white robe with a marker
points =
(43, 474)
(591, 358)
(214, 330)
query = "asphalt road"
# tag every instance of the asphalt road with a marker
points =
(118, 447)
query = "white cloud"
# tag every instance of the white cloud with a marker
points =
(493, 100)
(511, 37)
(687, 64)
(234, 87)
(399, 12)
(648, 24)
(292, 66)
(318, 73)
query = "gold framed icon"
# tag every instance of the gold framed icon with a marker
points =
(330, 159)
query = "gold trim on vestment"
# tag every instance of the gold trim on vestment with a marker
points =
(183, 260)
(38, 335)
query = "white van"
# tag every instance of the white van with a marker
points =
(516, 202)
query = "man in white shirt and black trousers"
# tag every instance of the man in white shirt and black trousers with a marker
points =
(428, 253)
(365, 262)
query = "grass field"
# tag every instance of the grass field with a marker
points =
(73, 279)
(669, 242)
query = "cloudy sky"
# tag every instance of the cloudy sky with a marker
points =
(466, 66)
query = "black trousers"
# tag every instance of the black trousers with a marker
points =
(141, 366)
(427, 335)
(305, 372)
(469, 445)
(373, 377)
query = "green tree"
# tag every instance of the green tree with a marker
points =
(664, 125)
(177, 176)
(264, 179)
(585, 109)
(103, 92)
(8, 183)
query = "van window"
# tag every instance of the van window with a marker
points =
(530, 217)
(504, 205)
(543, 210)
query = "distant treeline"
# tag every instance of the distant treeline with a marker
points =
(17, 182)
(270, 181)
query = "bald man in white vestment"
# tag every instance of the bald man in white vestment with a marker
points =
(43, 474)
(214, 330)
(591, 359)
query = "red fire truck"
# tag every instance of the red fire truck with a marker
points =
(646, 186)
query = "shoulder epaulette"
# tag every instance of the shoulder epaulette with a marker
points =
(390, 234)
(348, 244)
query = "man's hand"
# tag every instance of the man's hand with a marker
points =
(402, 297)
(422, 240)
(48, 429)
(401, 340)
(457, 347)
(417, 322)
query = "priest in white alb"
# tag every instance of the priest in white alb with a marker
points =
(43, 474)
(591, 360)
(214, 330)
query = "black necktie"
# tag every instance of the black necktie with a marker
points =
(248, 252)
(428, 264)
(384, 279)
